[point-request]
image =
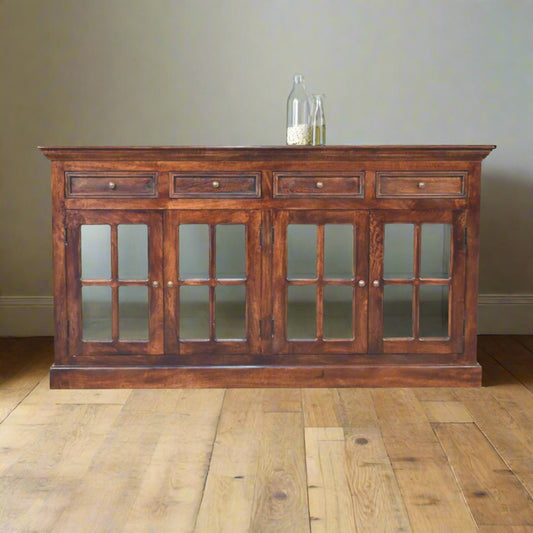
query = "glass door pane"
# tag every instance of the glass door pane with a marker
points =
(133, 314)
(231, 251)
(397, 311)
(434, 311)
(95, 251)
(338, 251)
(435, 251)
(133, 251)
(230, 312)
(338, 315)
(96, 313)
(194, 313)
(301, 250)
(399, 247)
(194, 251)
(301, 312)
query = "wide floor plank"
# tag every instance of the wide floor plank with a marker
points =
(494, 494)
(430, 492)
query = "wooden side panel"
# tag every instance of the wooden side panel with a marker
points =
(59, 250)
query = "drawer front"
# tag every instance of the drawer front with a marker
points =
(421, 184)
(318, 184)
(215, 185)
(111, 185)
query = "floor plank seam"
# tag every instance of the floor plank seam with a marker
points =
(310, 518)
(454, 474)
(504, 461)
(29, 392)
(506, 368)
(508, 371)
(207, 470)
(394, 469)
(525, 346)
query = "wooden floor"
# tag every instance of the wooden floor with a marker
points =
(294, 460)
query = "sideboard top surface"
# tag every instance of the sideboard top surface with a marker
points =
(268, 153)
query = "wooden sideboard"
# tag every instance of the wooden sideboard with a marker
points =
(337, 266)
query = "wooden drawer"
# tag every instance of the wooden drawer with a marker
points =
(421, 184)
(318, 184)
(215, 185)
(111, 185)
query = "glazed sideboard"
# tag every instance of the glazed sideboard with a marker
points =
(337, 266)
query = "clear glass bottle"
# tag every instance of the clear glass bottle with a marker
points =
(298, 113)
(318, 121)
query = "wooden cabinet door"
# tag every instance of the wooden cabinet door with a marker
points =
(212, 282)
(114, 282)
(320, 275)
(417, 272)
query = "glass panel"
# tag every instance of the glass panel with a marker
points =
(301, 250)
(399, 251)
(338, 251)
(194, 313)
(301, 312)
(230, 311)
(96, 313)
(95, 251)
(436, 251)
(132, 251)
(231, 251)
(397, 311)
(194, 251)
(338, 316)
(434, 311)
(133, 314)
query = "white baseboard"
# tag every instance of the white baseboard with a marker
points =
(32, 316)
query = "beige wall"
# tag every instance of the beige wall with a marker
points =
(218, 72)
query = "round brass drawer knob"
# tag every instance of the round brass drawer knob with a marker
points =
(112, 185)
(155, 284)
(361, 283)
(216, 184)
(421, 185)
(319, 184)
(375, 283)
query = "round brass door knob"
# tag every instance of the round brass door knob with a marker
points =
(155, 284)
(375, 283)
(361, 283)
(170, 284)
(216, 184)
